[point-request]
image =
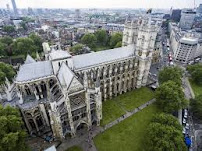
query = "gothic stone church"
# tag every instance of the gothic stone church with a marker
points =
(65, 92)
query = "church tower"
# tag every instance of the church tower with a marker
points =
(142, 33)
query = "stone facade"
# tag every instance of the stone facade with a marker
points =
(64, 93)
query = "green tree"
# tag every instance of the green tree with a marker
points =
(9, 29)
(170, 97)
(164, 138)
(37, 41)
(167, 119)
(102, 37)
(2, 49)
(196, 73)
(7, 41)
(12, 136)
(119, 44)
(90, 40)
(24, 46)
(164, 133)
(76, 48)
(6, 70)
(115, 38)
(196, 106)
(170, 73)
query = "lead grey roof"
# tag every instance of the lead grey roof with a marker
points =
(94, 58)
(29, 59)
(34, 71)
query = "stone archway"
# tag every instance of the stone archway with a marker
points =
(81, 128)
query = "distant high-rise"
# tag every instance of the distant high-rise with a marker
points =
(14, 8)
(187, 18)
(175, 15)
(199, 9)
(77, 13)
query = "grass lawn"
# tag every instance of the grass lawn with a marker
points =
(196, 88)
(110, 111)
(135, 98)
(74, 148)
(129, 135)
(114, 108)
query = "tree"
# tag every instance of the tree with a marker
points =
(12, 136)
(24, 46)
(7, 41)
(9, 29)
(37, 41)
(170, 97)
(6, 70)
(115, 38)
(164, 133)
(90, 40)
(196, 106)
(119, 44)
(102, 37)
(170, 73)
(196, 73)
(76, 48)
(167, 119)
(2, 49)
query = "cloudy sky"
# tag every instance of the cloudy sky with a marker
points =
(102, 3)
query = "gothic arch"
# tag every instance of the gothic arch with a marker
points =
(81, 122)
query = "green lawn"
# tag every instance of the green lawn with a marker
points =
(129, 135)
(135, 98)
(110, 112)
(114, 108)
(75, 148)
(196, 88)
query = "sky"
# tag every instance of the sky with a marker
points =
(102, 3)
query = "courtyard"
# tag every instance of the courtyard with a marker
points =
(116, 107)
(128, 135)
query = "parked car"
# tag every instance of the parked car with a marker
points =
(187, 126)
(184, 121)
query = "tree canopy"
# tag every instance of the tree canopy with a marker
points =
(6, 43)
(165, 133)
(170, 97)
(115, 38)
(24, 46)
(90, 40)
(6, 70)
(9, 29)
(101, 36)
(196, 106)
(12, 136)
(76, 48)
(196, 73)
(37, 41)
(170, 73)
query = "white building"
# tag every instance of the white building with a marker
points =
(187, 18)
(186, 45)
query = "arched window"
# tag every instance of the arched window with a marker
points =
(27, 90)
(31, 123)
(39, 121)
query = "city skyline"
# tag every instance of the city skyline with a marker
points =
(103, 4)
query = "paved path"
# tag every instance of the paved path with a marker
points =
(86, 140)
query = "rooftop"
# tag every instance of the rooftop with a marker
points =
(95, 58)
(34, 71)
(59, 54)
